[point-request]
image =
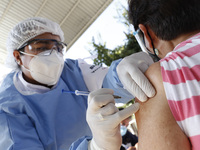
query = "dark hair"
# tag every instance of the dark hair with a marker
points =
(167, 18)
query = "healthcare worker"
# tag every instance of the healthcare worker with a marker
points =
(34, 113)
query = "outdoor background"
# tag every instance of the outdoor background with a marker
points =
(107, 28)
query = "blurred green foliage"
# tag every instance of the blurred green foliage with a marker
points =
(105, 55)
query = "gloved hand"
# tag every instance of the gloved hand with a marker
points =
(131, 74)
(104, 120)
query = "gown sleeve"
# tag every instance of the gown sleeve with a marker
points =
(112, 81)
(97, 77)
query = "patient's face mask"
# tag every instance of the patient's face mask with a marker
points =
(46, 68)
(123, 130)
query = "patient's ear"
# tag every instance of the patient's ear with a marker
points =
(147, 38)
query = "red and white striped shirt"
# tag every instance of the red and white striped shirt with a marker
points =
(181, 78)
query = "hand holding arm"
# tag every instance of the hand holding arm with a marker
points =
(131, 73)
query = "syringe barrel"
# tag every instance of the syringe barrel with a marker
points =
(77, 92)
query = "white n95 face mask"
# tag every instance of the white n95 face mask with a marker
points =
(46, 69)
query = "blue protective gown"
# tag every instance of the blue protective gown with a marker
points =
(52, 120)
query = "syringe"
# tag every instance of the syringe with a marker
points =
(84, 93)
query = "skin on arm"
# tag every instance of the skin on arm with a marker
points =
(157, 128)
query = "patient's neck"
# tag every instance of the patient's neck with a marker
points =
(184, 37)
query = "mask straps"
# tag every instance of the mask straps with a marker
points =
(27, 54)
(154, 54)
(26, 68)
(140, 39)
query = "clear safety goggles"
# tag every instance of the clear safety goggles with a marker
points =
(37, 46)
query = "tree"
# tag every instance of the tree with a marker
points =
(105, 55)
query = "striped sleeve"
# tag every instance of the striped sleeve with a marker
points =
(181, 78)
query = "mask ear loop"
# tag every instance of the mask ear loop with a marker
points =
(22, 64)
(138, 35)
(155, 53)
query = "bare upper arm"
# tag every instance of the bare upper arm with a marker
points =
(157, 127)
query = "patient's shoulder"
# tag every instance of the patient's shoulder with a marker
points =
(153, 73)
(157, 127)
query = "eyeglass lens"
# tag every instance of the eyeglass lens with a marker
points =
(39, 46)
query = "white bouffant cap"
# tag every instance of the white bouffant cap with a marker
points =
(25, 31)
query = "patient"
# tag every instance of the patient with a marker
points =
(171, 119)
(171, 29)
